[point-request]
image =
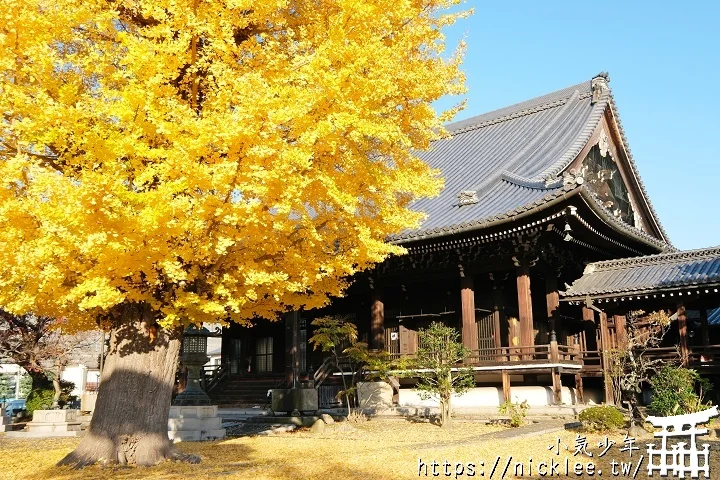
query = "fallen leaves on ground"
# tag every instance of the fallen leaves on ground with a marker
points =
(377, 449)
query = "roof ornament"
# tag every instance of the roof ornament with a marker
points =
(604, 143)
(599, 86)
(468, 197)
(573, 176)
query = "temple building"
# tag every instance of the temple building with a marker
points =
(519, 253)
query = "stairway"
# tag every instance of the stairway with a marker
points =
(244, 391)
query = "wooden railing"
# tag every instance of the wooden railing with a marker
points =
(326, 368)
(552, 353)
(698, 356)
(704, 355)
(213, 375)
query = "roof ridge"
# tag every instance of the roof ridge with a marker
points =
(653, 259)
(582, 139)
(529, 109)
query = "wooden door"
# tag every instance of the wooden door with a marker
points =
(486, 336)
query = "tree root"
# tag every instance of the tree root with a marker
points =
(129, 451)
(185, 457)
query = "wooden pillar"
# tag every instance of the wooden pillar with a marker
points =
(556, 379)
(506, 385)
(580, 395)
(469, 326)
(527, 334)
(552, 298)
(497, 323)
(292, 350)
(683, 331)
(704, 328)
(557, 385)
(377, 320)
(621, 330)
(604, 349)
(588, 327)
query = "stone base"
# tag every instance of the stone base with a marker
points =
(194, 423)
(51, 421)
(21, 434)
(299, 421)
(196, 435)
(53, 427)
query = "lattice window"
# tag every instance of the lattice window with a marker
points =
(264, 354)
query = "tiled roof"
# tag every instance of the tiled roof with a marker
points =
(509, 161)
(650, 273)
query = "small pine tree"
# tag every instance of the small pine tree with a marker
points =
(7, 389)
(338, 336)
(440, 376)
(26, 382)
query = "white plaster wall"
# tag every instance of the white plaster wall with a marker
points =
(536, 396)
(75, 374)
(93, 376)
(11, 369)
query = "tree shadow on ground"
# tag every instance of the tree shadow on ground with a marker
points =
(223, 460)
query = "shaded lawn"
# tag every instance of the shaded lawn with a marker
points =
(374, 450)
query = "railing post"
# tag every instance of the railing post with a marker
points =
(682, 330)
(554, 352)
(506, 385)
(605, 359)
(579, 389)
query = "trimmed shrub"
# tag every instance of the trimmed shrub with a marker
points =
(516, 412)
(677, 391)
(601, 419)
(41, 398)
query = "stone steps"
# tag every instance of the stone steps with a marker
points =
(242, 391)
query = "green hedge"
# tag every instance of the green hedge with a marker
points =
(677, 391)
(41, 398)
(601, 419)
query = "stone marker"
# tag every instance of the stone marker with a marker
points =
(51, 423)
(327, 418)
(318, 427)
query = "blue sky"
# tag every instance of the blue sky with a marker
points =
(664, 64)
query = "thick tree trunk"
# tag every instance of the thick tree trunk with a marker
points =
(56, 385)
(130, 421)
(445, 421)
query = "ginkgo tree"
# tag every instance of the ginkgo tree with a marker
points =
(172, 162)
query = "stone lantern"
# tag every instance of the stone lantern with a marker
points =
(194, 356)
